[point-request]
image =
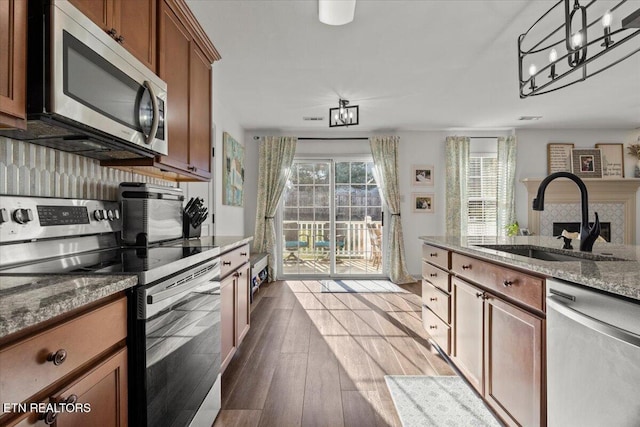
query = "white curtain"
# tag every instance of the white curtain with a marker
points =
(275, 159)
(457, 171)
(506, 182)
(385, 158)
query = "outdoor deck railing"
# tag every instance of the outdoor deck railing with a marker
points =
(355, 234)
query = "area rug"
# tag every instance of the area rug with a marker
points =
(360, 286)
(437, 401)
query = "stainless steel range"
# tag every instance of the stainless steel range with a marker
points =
(174, 312)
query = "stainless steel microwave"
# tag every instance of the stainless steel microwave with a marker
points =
(85, 93)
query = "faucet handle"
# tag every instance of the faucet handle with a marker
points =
(595, 228)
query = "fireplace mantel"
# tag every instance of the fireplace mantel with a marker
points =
(562, 190)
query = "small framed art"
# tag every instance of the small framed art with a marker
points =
(422, 202)
(587, 162)
(559, 157)
(612, 160)
(422, 175)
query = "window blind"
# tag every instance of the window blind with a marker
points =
(482, 187)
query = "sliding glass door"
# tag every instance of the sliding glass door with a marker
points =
(331, 220)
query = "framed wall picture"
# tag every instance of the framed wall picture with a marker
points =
(587, 162)
(232, 171)
(422, 175)
(422, 202)
(559, 157)
(612, 160)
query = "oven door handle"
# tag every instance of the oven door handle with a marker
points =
(178, 291)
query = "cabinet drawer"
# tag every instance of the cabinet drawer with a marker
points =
(233, 259)
(439, 302)
(439, 331)
(25, 365)
(436, 276)
(520, 287)
(436, 256)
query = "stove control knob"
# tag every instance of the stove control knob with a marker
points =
(97, 214)
(23, 216)
(4, 215)
(116, 213)
(110, 215)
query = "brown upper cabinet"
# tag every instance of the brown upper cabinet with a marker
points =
(13, 63)
(131, 23)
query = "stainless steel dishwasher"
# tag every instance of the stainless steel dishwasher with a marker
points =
(593, 358)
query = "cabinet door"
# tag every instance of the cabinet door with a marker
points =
(199, 113)
(136, 24)
(244, 304)
(104, 389)
(175, 52)
(227, 320)
(467, 336)
(99, 11)
(13, 62)
(513, 363)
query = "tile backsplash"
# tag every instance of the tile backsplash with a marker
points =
(572, 212)
(31, 170)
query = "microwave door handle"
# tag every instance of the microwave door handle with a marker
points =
(156, 114)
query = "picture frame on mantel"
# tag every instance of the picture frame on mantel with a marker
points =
(612, 160)
(586, 162)
(559, 157)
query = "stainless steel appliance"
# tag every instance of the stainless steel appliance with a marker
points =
(593, 355)
(86, 93)
(174, 324)
(151, 213)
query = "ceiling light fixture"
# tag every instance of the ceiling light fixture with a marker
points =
(582, 43)
(344, 115)
(336, 12)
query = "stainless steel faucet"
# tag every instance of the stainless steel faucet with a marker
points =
(587, 235)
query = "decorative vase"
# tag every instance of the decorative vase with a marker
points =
(636, 172)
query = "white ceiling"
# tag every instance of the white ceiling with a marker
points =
(409, 65)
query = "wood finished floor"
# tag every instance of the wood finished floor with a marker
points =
(319, 359)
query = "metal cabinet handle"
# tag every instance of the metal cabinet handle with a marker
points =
(58, 357)
(226, 262)
(433, 274)
(479, 294)
(433, 299)
(243, 254)
(120, 39)
(192, 168)
(112, 32)
(433, 327)
(466, 266)
(434, 255)
(51, 415)
(507, 283)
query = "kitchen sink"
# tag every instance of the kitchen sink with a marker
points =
(550, 254)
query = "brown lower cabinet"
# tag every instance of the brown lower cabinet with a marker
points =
(80, 361)
(498, 347)
(235, 296)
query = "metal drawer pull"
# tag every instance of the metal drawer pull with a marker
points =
(433, 299)
(51, 415)
(434, 255)
(466, 267)
(58, 357)
(433, 327)
(243, 254)
(226, 262)
(120, 39)
(112, 32)
(480, 295)
(433, 274)
(507, 283)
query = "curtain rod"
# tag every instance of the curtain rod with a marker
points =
(333, 139)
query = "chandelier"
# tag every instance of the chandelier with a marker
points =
(575, 48)
(343, 115)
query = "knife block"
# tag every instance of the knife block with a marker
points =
(188, 230)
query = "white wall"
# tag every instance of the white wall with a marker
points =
(229, 220)
(422, 147)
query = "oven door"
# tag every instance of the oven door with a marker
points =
(96, 82)
(178, 347)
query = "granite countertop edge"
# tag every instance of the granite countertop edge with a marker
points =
(620, 278)
(46, 297)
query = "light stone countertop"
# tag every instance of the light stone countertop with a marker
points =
(28, 300)
(616, 277)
